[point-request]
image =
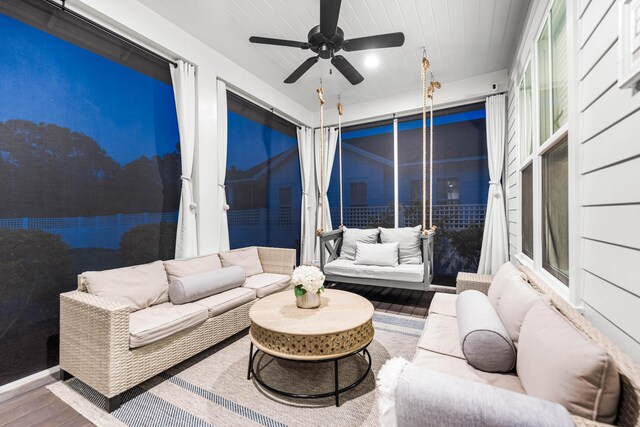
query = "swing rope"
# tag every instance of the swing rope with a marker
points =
(340, 113)
(320, 91)
(425, 66)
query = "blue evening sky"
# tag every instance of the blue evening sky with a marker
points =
(251, 143)
(46, 79)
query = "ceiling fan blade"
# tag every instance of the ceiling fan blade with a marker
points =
(279, 42)
(347, 70)
(374, 42)
(301, 69)
(329, 13)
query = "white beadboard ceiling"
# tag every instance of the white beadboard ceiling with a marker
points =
(463, 38)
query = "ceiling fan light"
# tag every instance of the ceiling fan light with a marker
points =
(371, 61)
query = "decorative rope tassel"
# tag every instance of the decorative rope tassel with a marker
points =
(340, 113)
(425, 66)
(320, 91)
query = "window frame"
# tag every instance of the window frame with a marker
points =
(540, 148)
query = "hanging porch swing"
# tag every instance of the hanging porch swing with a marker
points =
(404, 276)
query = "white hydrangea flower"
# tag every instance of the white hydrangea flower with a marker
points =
(309, 277)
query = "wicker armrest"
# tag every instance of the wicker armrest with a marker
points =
(277, 260)
(94, 336)
(479, 282)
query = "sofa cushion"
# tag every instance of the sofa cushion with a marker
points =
(515, 301)
(403, 272)
(138, 287)
(177, 268)
(408, 239)
(484, 340)
(441, 335)
(443, 303)
(505, 275)
(382, 254)
(461, 369)
(191, 288)
(557, 362)
(432, 399)
(350, 236)
(227, 300)
(163, 320)
(267, 283)
(246, 258)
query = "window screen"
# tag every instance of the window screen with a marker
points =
(527, 210)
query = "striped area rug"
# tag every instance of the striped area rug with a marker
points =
(211, 388)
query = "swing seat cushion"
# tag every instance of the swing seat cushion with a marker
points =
(413, 273)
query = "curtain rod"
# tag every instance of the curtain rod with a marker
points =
(62, 7)
(407, 113)
(234, 89)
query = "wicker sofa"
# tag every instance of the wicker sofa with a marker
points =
(430, 363)
(95, 336)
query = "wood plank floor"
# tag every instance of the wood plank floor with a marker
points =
(40, 407)
(387, 300)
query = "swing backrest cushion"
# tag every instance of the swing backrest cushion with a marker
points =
(408, 239)
(351, 236)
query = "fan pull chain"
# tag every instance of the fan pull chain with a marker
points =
(320, 91)
(340, 113)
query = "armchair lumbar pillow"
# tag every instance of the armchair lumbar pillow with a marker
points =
(380, 254)
(197, 286)
(484, 340)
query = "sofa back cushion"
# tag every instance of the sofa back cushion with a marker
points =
(192, 288)
(351, 236)
(408, 239)
(515, 301)
(139, 286)
(506, 274)
(484, 340)
(177, 268)
(247, 258)
(382, 254)
(557, 362)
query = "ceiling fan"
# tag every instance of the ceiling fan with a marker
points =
(327, 38)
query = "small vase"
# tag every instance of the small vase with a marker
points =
(308, 300)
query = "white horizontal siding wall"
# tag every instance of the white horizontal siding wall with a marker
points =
(609, 128)
(607, 124)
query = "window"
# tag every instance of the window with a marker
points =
(447, 191)
(89, 166)
(544, 177)
(527, 210)
(555, 214)
(415, 190)
(263, 177)
(358, 194)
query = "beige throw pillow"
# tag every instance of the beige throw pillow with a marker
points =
(139, 287)
(515, 301)
(177, 268)
(506, 274)
(559, 363)
(246, 258)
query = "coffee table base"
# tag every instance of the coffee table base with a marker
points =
(337, 390)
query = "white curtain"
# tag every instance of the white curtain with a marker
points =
(494, 240)
(184, 88)
(330, 142)
(308, 219)
(223, 207)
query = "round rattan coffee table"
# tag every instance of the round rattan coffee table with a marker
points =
(341, 327)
